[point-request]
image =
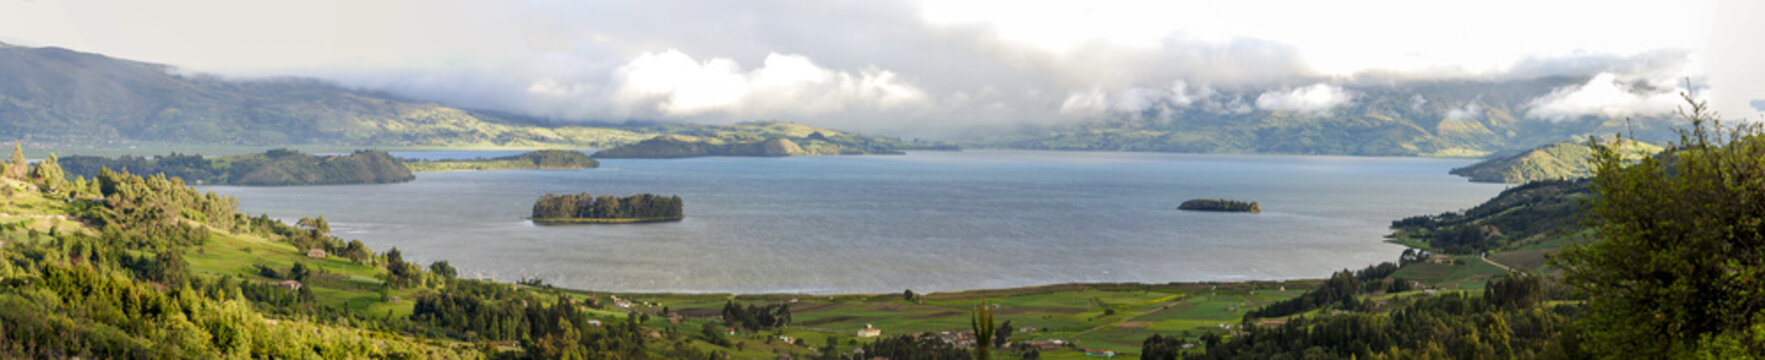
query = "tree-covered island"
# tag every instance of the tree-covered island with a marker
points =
(1220, 205)
(585, 208)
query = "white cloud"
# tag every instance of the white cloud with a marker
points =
(1605, 95)
(1316, 98)
(671, 83)
(1091, 102)
(1133, 100)
(1468, 112)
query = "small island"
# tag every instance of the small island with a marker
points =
(537, 160)
(1221, 205)
(585, 208)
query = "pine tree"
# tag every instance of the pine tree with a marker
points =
(19, 166)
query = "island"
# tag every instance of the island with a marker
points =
(1220, 205)
(278, 167)
(585, 208)
(537, 160)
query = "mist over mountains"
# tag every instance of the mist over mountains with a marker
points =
(56, 95)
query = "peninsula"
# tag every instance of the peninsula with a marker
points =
(537, 160)
(278, 167)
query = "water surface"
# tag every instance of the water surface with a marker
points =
(927, 221)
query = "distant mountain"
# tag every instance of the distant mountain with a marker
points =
(55, 95)
(1463, 118)
(1557, 161)
(767, 138)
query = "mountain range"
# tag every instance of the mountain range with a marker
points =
(1456, 118)
(54, 96)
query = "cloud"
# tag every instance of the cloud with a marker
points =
(1471, 111)
(1313, 99)
(1605, 95)
(673, 84)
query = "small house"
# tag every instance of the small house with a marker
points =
(316, 253)
(289, 284)
(869, 331)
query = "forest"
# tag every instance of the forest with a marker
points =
(585, 207)
(277, 167)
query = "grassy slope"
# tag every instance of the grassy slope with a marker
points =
(1563, 160)
(1070, 312)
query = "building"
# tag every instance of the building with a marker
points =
(289, 284)
(316, 253)
(869, 331)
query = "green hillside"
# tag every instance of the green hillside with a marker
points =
(1538, 212)
(279, 167)
(1563, 160)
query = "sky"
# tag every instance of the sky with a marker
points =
(922, 67)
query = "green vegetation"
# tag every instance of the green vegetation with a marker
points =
(1675, 270)
(537, 160)
(1220, 205)
(586, 208)
(760, 139)
(1558, 161)
(1521, 216)
(279, 167)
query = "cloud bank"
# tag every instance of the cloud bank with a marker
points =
(914, 68)
(1313, 99)
(1606, 95)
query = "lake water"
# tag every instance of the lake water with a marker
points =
(927, 221)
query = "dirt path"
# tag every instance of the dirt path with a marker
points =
(1497, 265)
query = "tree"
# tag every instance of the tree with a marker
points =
(48, 174)
(441, 268)
(982, 322)
(1678, 252)
(19, 166)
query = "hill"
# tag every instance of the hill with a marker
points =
(1530, 214)
(1563, 160)
(280, 167)
(537, 160)
(1456, 118)
(59, 96)
(767, 138)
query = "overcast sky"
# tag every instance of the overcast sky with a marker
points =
(907, 68)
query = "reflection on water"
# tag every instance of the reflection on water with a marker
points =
(928, 221)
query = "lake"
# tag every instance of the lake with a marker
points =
(927, 221)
